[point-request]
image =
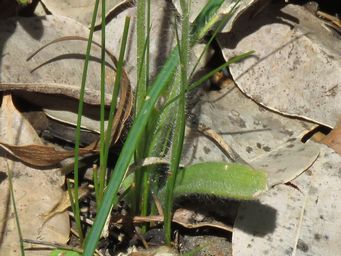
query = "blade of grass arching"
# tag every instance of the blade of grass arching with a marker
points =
(220, 26)
(17, 222)
(232, 60)
(102, 165)
(141, 91)
(204, 78)
(128, 150)
(179, 132)
(79, 120)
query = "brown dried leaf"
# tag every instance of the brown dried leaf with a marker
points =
(41, 155)
(333, 139)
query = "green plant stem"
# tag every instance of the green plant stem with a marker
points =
(146, 171)
(11, 189)
(102, 166)
(179, 132)
(79, 120)
(96, 185)
(141, 91)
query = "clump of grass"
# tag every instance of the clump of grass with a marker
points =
(155, 131)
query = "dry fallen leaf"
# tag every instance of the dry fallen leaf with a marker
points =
(56, 70)
(35, 190)
(333, 139)
(261, 138)
(51, 77)
(297, 65)
(80, 10)
(41, 155)
(64, 203)
(302, 219)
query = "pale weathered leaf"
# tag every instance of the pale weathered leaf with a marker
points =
(80, 10)
(51, 78)
(36, 191)
(287, 162)
(263, 139)
(55, 70)
(295, 221)
(297, 65)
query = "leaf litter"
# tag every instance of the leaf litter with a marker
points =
(35, 190)
(297, 59)
(261, 138)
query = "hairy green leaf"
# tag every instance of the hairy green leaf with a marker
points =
(226, 180)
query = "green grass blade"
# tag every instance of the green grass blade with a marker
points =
(204, 78)
(206, 19)
(102, 165)
(17, 222)
(79, 120)
(59, 252)
(141, 91)
(232, 60)
(179, 132)
(220, 26)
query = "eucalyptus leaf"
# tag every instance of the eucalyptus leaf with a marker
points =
(80, 10)
(55, 70)
(263, 139)
(302, 219)
(297, 65)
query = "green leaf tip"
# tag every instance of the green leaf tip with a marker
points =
(221, 179)
(64, 253)
(24, 2)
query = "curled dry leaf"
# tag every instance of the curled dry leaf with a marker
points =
(41, 155)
